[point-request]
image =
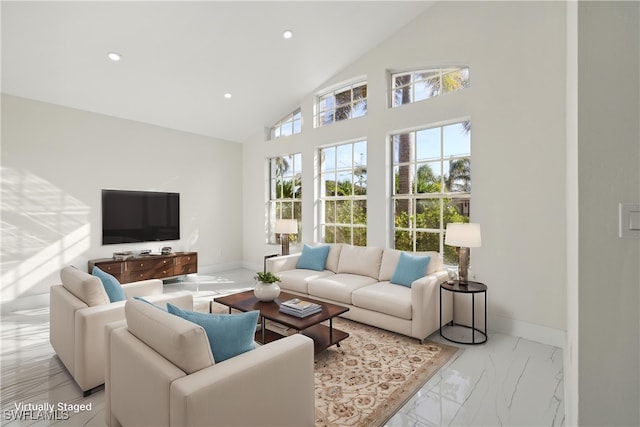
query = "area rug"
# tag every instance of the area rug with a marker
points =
(372, 374)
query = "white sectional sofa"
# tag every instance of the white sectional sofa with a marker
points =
(361, 278)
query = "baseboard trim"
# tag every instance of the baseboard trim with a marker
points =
(529, 331)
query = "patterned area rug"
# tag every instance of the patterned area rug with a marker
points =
(372, 374)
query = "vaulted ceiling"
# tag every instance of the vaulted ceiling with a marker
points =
(178, 59)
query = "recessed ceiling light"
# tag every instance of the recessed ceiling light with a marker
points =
(287, 34)
(228, 95)
(114, 56)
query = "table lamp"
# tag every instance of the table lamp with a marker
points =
(284, 227)
(464, 236)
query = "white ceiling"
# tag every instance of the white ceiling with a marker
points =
(179, 58)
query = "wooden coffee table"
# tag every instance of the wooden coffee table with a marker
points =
(323, 336)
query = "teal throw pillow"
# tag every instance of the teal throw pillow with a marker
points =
(313, 257)
(410, 268)
(229, 334)
(111, 285)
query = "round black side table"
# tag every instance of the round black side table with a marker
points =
(468, 287)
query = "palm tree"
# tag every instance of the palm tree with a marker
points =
(427, 181)
(281, 165)
(459, 179)
(405, 156)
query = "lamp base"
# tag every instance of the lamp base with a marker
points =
(463, 264)
(284, 240)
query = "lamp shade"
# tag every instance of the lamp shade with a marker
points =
(286, 226)
(464, 235)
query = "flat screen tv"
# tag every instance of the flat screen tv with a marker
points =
(139, 216)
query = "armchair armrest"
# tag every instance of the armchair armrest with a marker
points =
(62, 313)
(282, 263)
(276, 378)
(89, 358)
(142, 288)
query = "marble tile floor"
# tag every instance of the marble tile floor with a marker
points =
(507, 381)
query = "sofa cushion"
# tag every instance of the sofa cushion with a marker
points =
(333, 258)
(180, 341)
(338, 287)
(297, 280)
(410, 268)
(112, 287)
(384, 297)
(360, 260)
(84, 286)
(313, 257)
(390, 259)
(229, 334)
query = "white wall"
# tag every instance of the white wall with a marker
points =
(56, 160)
(609, 173)
(516, 102)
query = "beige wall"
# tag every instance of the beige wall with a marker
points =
(516, 51)
(56, 160)
(608, 292)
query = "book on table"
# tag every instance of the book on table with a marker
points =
(279, 329)
(299, 313)
(300, 305)
(299, 308)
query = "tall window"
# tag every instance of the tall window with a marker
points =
(432, 186)
(408, 87)
(285, 182)
(341, 104)
(343, 181)
(288, 125)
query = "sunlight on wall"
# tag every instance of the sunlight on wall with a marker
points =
(42, 229)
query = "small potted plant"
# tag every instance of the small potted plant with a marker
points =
(266, 287)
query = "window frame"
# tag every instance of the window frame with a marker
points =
(461, 198)
(353, 199)
(436, 73)
(356, 105)
(275, 211)
(276, 131)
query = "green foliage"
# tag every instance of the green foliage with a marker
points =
(289, 188)
(341, 213)
(424, 228)
(427, 217)
(267, 277)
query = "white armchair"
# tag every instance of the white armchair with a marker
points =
(161, 372)
(79, 311)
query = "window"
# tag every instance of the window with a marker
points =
(343, 193)
(345, 103)
(285, 185)
(408, 87)
(289, 125)
(432, 186)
